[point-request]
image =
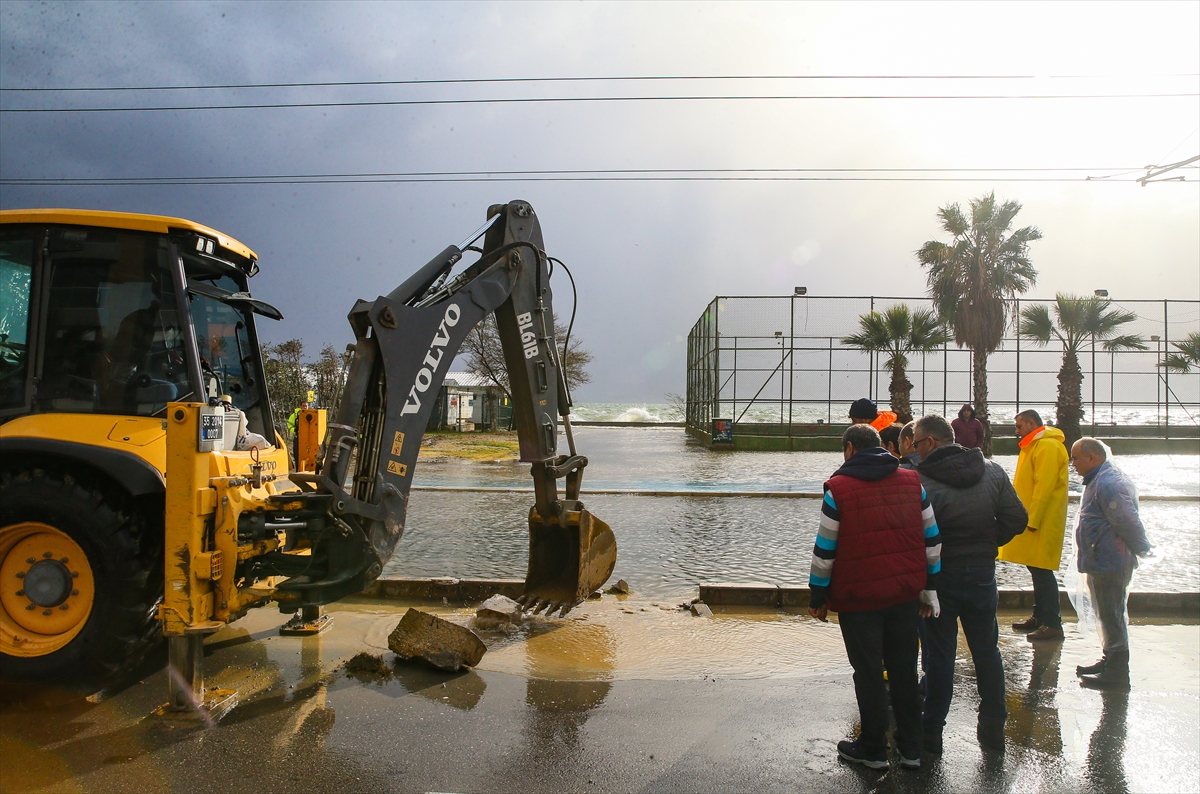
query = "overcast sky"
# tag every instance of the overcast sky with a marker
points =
(647, 256)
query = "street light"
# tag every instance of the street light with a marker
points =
(801, 290)
(1155, 338)
(1101, 293)
(782, 358)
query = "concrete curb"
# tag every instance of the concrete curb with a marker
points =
(753, 594)
(1074, 497)
(444, 587)
(768, 595)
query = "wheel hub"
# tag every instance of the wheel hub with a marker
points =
(48, 583)
(46, 589)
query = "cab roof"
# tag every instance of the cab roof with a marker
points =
(124, 220)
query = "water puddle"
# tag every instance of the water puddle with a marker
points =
(629, 637)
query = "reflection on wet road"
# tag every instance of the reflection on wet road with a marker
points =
(629, 694)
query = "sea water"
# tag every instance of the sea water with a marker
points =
(668, 545)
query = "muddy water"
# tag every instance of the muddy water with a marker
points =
(668, 545)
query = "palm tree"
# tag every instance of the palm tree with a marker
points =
(972, 279)
(897, 332)
(1187, 357)
(1075, 321)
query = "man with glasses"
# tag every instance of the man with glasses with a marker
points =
(978, 511)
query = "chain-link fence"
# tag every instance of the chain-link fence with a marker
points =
(780, 360)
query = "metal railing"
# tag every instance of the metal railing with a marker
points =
(780, 360)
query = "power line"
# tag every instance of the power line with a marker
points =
(116, 182)
(266, 178)
(629, 78)
(663, 98)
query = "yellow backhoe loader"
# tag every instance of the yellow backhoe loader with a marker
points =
(144, 490)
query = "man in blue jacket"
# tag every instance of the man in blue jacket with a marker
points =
(1109, 539)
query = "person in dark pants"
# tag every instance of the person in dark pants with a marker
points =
(1109, 539)
(1041, 482)
(875, 563)
(978, 511)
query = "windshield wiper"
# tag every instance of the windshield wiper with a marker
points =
(235, 298)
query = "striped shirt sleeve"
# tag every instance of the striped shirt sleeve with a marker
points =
(933, 543)
(824, 552)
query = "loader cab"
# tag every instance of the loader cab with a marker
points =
(105, 318)
(113, 314)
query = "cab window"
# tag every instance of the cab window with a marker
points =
(114, 336)
(16, 278)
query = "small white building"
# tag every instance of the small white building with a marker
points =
(471, 401)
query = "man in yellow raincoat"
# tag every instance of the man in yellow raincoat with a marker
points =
(1041, 484)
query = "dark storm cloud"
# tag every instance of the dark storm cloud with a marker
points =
(647, 256)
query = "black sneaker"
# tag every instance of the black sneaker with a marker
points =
(991, 737)
(852, 752)
(932, 742)
(910, 763)
(1091, 669)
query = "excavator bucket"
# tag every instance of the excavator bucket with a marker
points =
(570, 557)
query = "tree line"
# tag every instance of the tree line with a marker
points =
(291, 379)
(973, 281)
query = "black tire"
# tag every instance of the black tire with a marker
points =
(123, 544)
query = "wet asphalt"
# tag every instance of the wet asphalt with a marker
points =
(305, 723)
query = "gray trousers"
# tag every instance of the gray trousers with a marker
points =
(1108, 592)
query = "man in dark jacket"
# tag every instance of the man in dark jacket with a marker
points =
(978, 511)
(1108, 539)
(968, 431)
(909, 459)
(875, 563)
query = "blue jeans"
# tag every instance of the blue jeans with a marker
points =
(967, 595)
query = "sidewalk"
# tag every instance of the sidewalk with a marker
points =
(629, 696)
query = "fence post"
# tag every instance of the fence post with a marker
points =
(829, 391)
(1166, 374)
(1017, 320)
(716, 361)
(945, 374)
(791, 370)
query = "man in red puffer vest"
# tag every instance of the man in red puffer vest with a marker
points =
(875, 563)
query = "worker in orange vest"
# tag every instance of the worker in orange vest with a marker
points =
(865, 412)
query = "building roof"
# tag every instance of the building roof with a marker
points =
(468, 380)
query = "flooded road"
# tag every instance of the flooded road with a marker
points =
(624, 696)
(668, 545)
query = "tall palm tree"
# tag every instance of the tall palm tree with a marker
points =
(972, 278)
(1187, 357)
(1076, 321)
(898, 331)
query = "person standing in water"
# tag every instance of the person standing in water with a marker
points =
(1041, 483)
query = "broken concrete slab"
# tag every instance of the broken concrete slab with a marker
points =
(701, 610)
(445, 645)
(496, 610)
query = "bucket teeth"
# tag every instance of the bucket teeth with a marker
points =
(565, 609)
(542, 605)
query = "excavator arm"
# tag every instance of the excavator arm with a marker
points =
(351, 511)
